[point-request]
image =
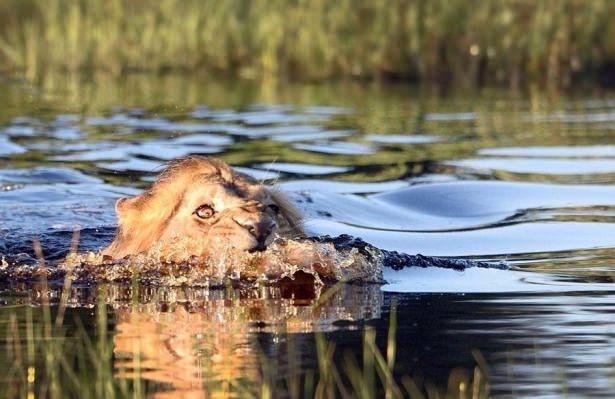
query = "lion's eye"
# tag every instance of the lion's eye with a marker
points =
(274, 208)
(205, 211)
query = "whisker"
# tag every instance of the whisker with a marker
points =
(275, 180)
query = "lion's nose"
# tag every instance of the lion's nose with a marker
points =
(261, 230)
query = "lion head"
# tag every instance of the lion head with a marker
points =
(201, 206)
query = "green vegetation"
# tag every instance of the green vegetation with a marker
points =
(557, 42)
(48, 355)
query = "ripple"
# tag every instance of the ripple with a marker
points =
(7, 147)
(25, 120)
(20, 131)
(277, 131)
(552, 151)
(455, 205)
(328, 186)
(45, 175)
(327, 110)
(337, 147)
(303, 169)
(203, 112)
(117, 119)
(260, 115)
(480, 198)
(164, 150)
(57, 206)
(450, 116)
(273, 117)
(173, 127)
(394, 190)
(539, 165)
(133, 165)
(499, 241)
(66, 133)
(102, 151)
(403, 139)
(204, 139)
(168, 151)
(435, 280)
(294, 136)
(65, 119)
(586, 117)
(257, 173)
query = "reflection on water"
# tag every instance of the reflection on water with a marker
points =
(192, 342)
(212, 336)
(490, 175)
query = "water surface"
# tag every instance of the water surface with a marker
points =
(491, 175)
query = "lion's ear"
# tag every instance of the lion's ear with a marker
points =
(119, 205)
(122, 205)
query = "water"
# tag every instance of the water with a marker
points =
(526, 178)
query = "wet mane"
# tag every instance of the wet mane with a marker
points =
(142, 219)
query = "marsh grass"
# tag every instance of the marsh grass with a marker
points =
(509, 41)
(55, 359)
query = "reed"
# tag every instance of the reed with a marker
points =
(50, 356)
(558, 42)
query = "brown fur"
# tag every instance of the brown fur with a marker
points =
(164, 215)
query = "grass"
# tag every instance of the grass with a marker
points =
(50, 357)
(557, 42)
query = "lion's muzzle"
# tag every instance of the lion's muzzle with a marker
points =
(260, 226)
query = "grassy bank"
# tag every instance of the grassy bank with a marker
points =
(508, 42)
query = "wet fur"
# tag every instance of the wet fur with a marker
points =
(143, 219)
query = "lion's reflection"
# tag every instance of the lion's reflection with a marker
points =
(196, 341)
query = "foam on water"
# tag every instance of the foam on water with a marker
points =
(283, 259)
(312, 260)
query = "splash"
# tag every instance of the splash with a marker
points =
(319, 260)
(284, 260)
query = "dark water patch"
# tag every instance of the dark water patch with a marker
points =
(55, 245)
(537, 345)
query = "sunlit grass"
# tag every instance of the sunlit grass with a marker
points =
(509, 41)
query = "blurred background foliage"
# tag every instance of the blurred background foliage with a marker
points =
(509, 42)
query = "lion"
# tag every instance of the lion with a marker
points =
(199, 206)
